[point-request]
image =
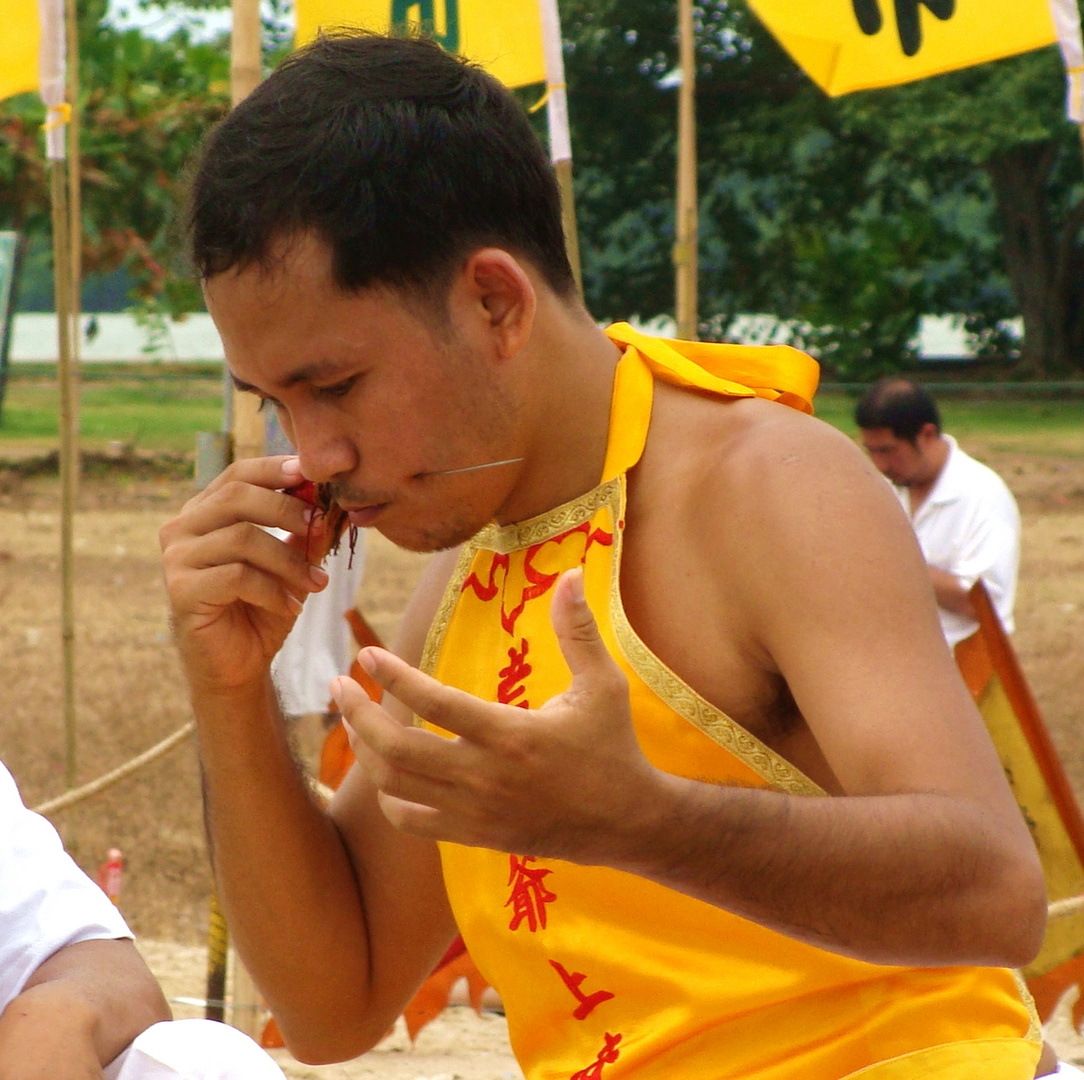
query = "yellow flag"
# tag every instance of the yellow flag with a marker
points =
(846, 45)
(19, 40)
(992, 672)
(504, 36)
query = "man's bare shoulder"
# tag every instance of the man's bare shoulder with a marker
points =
(758, 464)
(763, 549)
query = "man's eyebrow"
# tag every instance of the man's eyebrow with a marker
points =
(321, 369)
(242, 387)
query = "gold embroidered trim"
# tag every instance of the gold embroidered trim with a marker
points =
(664, 683)
(1035, 1027)
(439, 627)
(670, 688)
(504, 539)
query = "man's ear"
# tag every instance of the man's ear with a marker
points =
(498, 298)
(927, 435)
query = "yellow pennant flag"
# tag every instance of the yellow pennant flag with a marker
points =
(19, 41)
(992, 672)
(846, 45)
(504, 36)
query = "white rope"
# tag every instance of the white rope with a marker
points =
(1060, 908)
(321, 791)
(77, 795)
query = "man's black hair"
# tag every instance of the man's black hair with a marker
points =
(899, 405)
(399, 156)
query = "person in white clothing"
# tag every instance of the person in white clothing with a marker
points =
(77, 1000)
(965, 518)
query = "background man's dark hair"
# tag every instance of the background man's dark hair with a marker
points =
(901, 406)
(402, 158)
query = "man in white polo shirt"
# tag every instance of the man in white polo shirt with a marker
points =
(966, 519)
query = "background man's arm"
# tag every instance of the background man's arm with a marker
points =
(78, 1011)
(987, 547)
(950, 593)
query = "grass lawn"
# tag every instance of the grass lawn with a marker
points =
(1025, 425)
(150, 407)
(162, 406)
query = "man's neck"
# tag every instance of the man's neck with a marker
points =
(571, 369)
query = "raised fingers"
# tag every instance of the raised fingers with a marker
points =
(405, 763)
(448, 708)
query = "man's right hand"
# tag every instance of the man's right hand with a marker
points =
(235, 589)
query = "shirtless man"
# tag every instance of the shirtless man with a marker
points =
(379, 238)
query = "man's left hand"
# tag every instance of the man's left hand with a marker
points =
(567, 780)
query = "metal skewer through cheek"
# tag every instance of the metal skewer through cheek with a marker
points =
(472, 468)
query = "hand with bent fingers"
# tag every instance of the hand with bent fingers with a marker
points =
(567, 780)
(234, 589)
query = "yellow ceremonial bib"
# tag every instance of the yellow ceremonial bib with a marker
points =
(605, 975)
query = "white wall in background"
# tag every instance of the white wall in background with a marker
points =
(119, 337)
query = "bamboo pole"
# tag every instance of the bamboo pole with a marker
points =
(685, 226)
(75, 215)
(560, 138)
(58, 185)
(563, 169)
(218, 945)
(247, 430)
(246, 71)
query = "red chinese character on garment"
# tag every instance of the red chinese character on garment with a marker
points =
(538, 581)
(606, 1056)
(529, 896)
(490, 589)
(587, 1002)
(511, 685)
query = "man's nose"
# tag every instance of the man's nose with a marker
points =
(325, 451)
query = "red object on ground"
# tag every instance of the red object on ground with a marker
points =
(109, 874)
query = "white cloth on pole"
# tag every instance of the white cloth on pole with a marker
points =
(46, 901)
(969, 526)
(193, 1050)
(557, 102)
(52, 73)
(1067, 24)
(319, 648)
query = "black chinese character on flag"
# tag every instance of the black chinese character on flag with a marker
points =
(870, 20)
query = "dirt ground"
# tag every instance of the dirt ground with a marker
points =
(130, 694)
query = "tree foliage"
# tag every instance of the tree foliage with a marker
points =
(851, 217)
(845, 218)
(145, 105)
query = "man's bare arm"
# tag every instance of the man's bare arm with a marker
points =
(78, 1011)
(337, 917)
(927, 859)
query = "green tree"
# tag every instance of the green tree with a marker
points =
(856, 215)
(1001, 129)
(145, 106)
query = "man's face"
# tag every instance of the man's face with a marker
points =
(903, 462)
(379, 396)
